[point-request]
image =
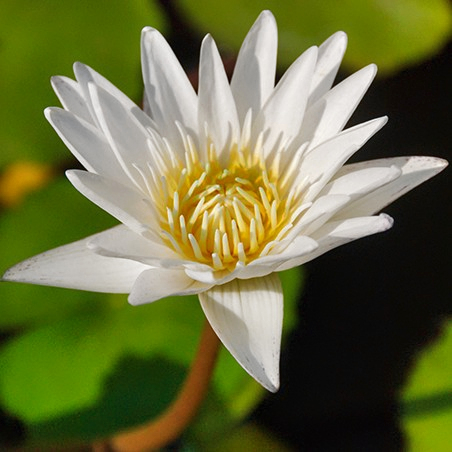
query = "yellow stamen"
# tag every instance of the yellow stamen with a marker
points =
(224, 212)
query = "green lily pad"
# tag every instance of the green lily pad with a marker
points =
(41, 40)
(390, 34)
(49, 218)
(427, 400)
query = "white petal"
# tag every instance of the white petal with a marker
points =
(415, 170)
(336, 233)
(328, 62)
(71, 97)
(263, 266)
(156, 283)
(216, 104)
(322, 162)
(75, 266)
(87, 76)
(361, 181)
(123, 242)
(282, 115)
(126, 244)
(322, 209)
(87, 144)
(124, 203)
(330, 113)
(247, 316)
(170, 95)
(126, 135)
(254, 74)
(207, 275)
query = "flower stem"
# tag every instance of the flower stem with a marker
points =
(169, 426)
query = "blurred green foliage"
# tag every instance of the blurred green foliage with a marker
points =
(41, 39)
(79, 365)
(427, 399)
(392, 34)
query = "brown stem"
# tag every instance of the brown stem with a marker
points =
(169, 426)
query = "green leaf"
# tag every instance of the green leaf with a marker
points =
(49, 218)
(41, 40)
(249, 437)
(427, 400)
(390, 34)
(71, 360)
(79, 368)
(138, 390)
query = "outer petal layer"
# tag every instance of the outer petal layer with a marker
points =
(87, 143)
(415, 170)
(247, 316)
(156, 283)
(337, 233)
(75, 266)
(124, 203)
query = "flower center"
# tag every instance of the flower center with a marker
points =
(221, 215)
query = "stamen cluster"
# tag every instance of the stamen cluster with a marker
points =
(223, 214)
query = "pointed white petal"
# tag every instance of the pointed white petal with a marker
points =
(322, 209)
(126, 244)
(415, 171)
(216, 104)
(71, 97)
(75, 266)
(329, 59)
(321, 163)
(156, 283)
(361, 181)
(254, 74)
(331, 112)
(124, 203)
(170, 95)
(123, 242)
(125, 134)
(87, 144)
(247, 316)
(86, 76)
(281, 117)
(336, 233)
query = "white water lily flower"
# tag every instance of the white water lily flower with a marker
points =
(219, 190)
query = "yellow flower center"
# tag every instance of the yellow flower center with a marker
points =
(224, 214)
